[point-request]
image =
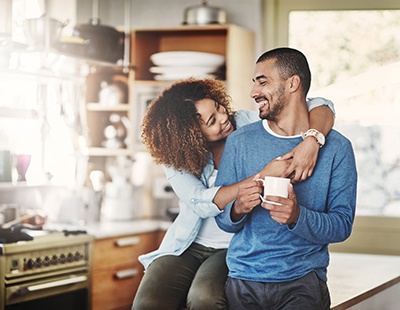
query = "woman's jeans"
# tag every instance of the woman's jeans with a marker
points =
(196, 279)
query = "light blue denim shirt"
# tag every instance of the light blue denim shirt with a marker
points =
(196, 198)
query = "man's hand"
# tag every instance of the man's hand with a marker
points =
(304, 157)
(287, 212)
(248, 197)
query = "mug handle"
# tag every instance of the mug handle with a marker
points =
(263, 182)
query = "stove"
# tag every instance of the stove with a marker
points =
(45, 268)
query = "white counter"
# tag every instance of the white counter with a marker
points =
(109, 229)
(356, 279)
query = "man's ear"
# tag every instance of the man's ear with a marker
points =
(294, 83)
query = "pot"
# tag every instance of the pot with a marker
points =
(203, 15)
(35, 30)
(8, 213)
(102, 42)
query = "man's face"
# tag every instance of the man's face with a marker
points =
(268, 90)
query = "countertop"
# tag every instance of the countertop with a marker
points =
(109, 229)
(352, 278)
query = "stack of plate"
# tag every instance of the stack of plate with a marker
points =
(178, 65)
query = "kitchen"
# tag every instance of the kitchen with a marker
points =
(72, 196)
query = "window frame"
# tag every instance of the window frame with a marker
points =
(276, 14)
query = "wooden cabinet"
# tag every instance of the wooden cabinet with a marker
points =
(231, 41)
(116, 271)
(107, 107)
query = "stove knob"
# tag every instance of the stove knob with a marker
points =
(70, 257)
(38, 262)
(46, 261)
(54, 260)
(62, 259)
(29, 264)
(78, 256)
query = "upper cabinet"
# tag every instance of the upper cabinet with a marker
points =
(108, 112)
(236, 44)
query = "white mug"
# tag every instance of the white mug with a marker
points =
(274, 186)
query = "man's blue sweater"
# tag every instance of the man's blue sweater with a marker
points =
(262, 250)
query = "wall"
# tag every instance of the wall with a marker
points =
(155, 13)
(372, 235)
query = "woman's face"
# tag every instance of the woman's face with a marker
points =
(213, 120)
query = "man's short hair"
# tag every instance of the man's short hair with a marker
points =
(290, 62)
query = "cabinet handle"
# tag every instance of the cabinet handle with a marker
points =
(124, 274)
(127, 241)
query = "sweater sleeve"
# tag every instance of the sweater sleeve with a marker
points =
(335, 224)
(319, 101)
(227, 175)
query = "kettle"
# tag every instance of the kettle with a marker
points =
(203, 15)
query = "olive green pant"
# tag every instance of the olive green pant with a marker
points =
(195, 280)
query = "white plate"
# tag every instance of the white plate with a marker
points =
(183, 58)
(174, 77)
(184, 70)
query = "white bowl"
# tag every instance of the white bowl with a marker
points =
(185, 58)
(175, 77)
(183, 69)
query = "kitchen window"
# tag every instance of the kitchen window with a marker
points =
(355, 64)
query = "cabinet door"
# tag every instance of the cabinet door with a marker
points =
(116, 271)
(125, 249)
(115, 287)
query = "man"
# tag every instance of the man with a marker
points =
(278, 257)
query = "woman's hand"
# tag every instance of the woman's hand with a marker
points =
(248, 197)
(277, 167)
(304, 158)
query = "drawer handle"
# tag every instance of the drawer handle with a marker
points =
(127, 241)
(124, 274)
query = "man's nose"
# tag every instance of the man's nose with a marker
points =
(254, 91)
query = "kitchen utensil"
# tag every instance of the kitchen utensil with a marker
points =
(8, 212)
(203, 15)
(35, 30)
(5, 166)
(72, 46)
(103, 42)
(116, 132)
(22, 165)
(16, 221)
(110, 94)
(29, 218)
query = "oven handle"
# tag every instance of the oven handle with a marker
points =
(128, 273)
(63, 282)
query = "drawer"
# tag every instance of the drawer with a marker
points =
(125, 249)
(115, 288)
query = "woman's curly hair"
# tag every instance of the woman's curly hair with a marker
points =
(171, 130)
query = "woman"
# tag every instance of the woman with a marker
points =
(185, 129)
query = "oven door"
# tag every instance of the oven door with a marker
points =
(65, 292)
